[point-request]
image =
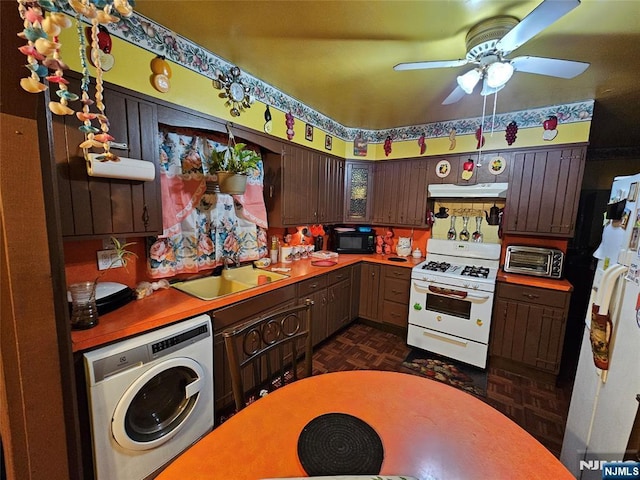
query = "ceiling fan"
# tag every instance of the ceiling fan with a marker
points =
(492, 40)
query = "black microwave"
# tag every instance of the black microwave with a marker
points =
(353, 241)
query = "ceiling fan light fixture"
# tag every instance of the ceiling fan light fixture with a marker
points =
(469, 80)
(487, 90)
(498, 74)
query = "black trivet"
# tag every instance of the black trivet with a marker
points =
(339, 444)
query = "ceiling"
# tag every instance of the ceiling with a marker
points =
(337, 57)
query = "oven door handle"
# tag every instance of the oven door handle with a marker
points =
(448, 292)
(421, 287)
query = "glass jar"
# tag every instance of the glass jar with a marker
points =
(84, 311)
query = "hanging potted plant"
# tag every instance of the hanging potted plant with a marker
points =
(232, 166)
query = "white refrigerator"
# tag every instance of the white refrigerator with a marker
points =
(604, 401)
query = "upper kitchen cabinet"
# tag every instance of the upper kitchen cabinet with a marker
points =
(331, 179)
(544, 190)
(400, 193)
(444, 169)
(303, 187)
(491, 167)
(358, 187)
(94, 207)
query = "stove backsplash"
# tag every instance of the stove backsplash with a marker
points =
(459, 209)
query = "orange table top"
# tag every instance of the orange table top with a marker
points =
(428, 430)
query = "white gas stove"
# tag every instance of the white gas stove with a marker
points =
(451, 299)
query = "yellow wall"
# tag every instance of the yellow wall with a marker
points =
(195, 91)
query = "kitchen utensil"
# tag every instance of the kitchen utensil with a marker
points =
(477, 235)
(493, 217)
(451, 234)
(464, 233)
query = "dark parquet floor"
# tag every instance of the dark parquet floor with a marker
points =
(540, 408)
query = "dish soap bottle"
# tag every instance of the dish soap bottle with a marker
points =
(274, 249)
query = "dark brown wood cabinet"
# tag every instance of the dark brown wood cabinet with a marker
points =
(358, 192)
(331, 294)
(395, 283)
(481, 168)
(99, 207)
(400, 193)
(315, 289)
(339, 300)
(528, 326)
(544, 190)
(331, 177)
(369, 288)
(412, 193)
(303, 186)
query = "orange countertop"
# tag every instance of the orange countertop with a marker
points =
(167, 306)
(428, 430)
(529, 281)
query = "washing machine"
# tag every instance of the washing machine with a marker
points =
(150, 398)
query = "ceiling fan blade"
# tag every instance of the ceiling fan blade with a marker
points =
(548, 12)
(549, 66)
(425, 65)
(454, 96)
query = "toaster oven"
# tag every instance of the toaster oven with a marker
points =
(538, 261)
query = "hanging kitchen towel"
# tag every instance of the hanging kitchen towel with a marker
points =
(600, 336)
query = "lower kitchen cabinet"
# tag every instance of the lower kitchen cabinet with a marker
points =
(331, 294)
(315, 289)
(528, 326)
(237, 314)
(369, 288)
(339, 300)
(384, 294)
(394, 298)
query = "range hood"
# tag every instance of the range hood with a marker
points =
(479, 190)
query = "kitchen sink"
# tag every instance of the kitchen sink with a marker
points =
(251, 275)
(231, 281)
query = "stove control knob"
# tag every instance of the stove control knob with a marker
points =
(476, 286)
(465, 285)
(439, 318)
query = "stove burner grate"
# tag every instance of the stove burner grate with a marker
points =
(437, 266)
(473, 271)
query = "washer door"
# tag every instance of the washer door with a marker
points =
(155, 407)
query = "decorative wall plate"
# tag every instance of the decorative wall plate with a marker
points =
(443, 168)
(497, 165)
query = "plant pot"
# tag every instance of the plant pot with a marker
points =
(232, 183)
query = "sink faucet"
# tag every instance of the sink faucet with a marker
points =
(234, 257)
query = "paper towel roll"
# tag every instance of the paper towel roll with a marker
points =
(126, 168)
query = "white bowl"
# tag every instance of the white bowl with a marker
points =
(262, 263)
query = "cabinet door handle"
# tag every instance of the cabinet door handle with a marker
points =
(530, 295)
(145, 217)
(396, 292)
